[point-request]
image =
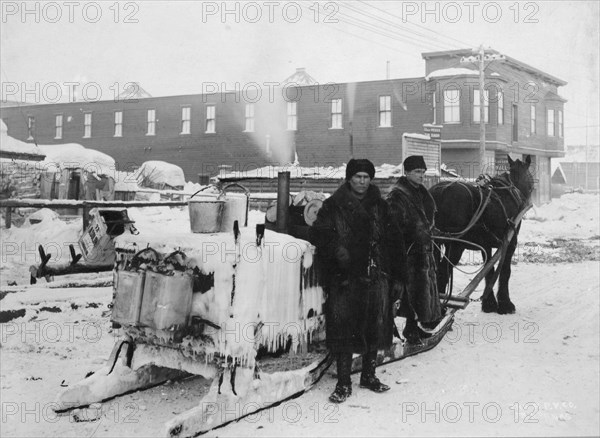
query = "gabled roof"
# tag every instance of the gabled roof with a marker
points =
(300, 77)
(133, 91)
(514, 62)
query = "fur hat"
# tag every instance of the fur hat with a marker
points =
(360, 165)
(414, 162)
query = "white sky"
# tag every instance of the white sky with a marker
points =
(174, 47)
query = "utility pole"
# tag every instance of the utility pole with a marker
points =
(481, 111)
(480, 58)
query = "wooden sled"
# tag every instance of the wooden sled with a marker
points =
(235, 391)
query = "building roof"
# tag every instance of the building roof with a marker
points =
(133, 91)
(514, 62)
(300, 77)
(550, 95)
(11, 147)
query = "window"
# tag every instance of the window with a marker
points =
(434, 104)
(292, 116)
(533, 116)
(58, 126)
(87, 125)
(118, 123)
(452, 106)
(336, 113)
(476, 106)
(249, 117)
(560, 123)
(210, 119)
(151, 122)
(186, 121)
(500, 108)
(385, 111)
(30, 127)
(550, 123)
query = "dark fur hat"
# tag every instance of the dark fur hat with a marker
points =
(360, 165)
(414, 162)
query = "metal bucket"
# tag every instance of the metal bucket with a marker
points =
(235, 208)
(206, 213)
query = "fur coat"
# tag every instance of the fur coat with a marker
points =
(412, 211)
(352, 257)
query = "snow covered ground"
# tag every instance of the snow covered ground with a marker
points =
(534, 373)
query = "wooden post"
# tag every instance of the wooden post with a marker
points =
(8, 217)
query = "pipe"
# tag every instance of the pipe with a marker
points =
(283, 201)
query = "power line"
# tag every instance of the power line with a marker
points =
(397, 28)
(417, 25)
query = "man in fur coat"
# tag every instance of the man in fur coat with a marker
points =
(412, 210)
(350, 236)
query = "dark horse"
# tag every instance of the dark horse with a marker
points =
(486, 211)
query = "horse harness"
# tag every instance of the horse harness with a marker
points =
(491, 187)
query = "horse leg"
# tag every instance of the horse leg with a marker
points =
(452, 257)
(488, 301)
(505, 306)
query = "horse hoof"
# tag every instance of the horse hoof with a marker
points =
(506, 308)
(489, 307)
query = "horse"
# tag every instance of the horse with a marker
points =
(478, 217)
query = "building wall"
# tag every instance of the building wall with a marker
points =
(230, 147)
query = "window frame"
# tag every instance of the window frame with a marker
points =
(486, 108)
(532, 120)
(151, 123)
(337, 115)
(211, 122)
(249, 117)
(550, 122)
(292, 116)
(118, 132)
(452, 108)
(385, 111)
(186, 120)
(500, 108)
(30, 127)
(87, 127)
(560, 124)
(58, 128)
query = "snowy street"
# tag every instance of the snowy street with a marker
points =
(531, 373)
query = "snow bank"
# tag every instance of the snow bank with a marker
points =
(572, 216)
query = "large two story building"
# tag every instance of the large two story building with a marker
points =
(320, 124)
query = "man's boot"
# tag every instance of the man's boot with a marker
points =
(367, 377)
(343, 389)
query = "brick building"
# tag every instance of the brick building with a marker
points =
(322, 123)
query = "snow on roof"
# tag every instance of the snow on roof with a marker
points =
(74, 155)
(416, 135)
(455, 71)
(161, 172)
(12, 145)
(384, 171)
